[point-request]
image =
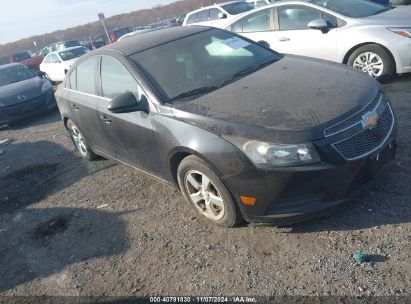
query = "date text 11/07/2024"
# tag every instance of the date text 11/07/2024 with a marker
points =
(169, 299)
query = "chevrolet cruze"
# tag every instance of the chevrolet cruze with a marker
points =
(246, 133)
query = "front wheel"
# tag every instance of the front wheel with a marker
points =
(374, 60)
(206, 193)
(80, 142)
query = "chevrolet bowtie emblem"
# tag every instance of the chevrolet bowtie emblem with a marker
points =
(370, 120)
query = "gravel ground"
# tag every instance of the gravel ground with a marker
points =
(69, 227)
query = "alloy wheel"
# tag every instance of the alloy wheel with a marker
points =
(369, 63)
(79, 140)
(204, 195)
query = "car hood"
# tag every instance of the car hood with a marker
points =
(30, 88)
(399, 16)
(291, 99)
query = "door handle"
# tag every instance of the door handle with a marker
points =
(105, 119)
(284, 39)
(75, 107)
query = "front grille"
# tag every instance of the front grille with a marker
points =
(356, 118)
(24, 107)
(368, 140)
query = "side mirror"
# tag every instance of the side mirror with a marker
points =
(222, 16)
(264, 43)
(319, 24)
(127, 102)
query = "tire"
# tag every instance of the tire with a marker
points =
(79, 142)
(206, 193)
(374, 60)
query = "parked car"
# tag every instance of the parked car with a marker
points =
(244, 131)
(59, 46)
(56, 64)
(23, 58)
(23, 93)
(369, 37)
(217, 14)
(114, 35)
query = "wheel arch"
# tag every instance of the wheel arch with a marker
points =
(354, 48)
(178, 154)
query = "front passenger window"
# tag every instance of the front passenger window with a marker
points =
(116, 79)
(296, 17)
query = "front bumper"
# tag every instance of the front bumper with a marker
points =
(294, 194)
(401, 51)
(27, 108)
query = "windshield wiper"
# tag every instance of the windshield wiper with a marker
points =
(248, 70)
(194, 92)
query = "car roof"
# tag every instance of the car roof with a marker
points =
(151, 39)
(214, 5)
(66, 49)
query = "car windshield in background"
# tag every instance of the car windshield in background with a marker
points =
(71, 54)
(352, 8)
(200, 63)
(238, 8)
(71, 43)
(22, 56)
(14, 74)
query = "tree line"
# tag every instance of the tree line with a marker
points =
(93, 29)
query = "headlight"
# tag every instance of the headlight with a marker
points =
(46, 86)
(269, 155)
(403, 31)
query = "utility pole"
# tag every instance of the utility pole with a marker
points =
(101, 17)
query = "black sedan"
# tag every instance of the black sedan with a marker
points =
(243, 131)
(23, 93)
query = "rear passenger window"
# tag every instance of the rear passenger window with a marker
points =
(191, 19)
(86, 76)
(116, 79)
(257, 22)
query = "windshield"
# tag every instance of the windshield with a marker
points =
(198, 62)
(352, 8)
(14, 74)
(21, 56)
(238, 7)
(71, 43)
(71, 54)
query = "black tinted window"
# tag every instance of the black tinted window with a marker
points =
(86, 75)
(238, 7)
(296, 17)
(14, 74)
(115, 78)
(353, 8)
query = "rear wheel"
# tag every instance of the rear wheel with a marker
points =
(80, 142)
(374, 60)
(206, 193)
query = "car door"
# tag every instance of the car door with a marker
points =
(58, 68)
(129, 134)
(83, 99)
(294, 36)
(257, 26)
(53, 67)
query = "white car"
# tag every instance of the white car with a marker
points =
(218, 14)
(56, 64)
(367, 36)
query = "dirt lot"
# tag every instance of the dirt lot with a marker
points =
(55, 240)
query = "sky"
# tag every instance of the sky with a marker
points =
(24, 18)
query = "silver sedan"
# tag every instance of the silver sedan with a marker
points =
(367, 36)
